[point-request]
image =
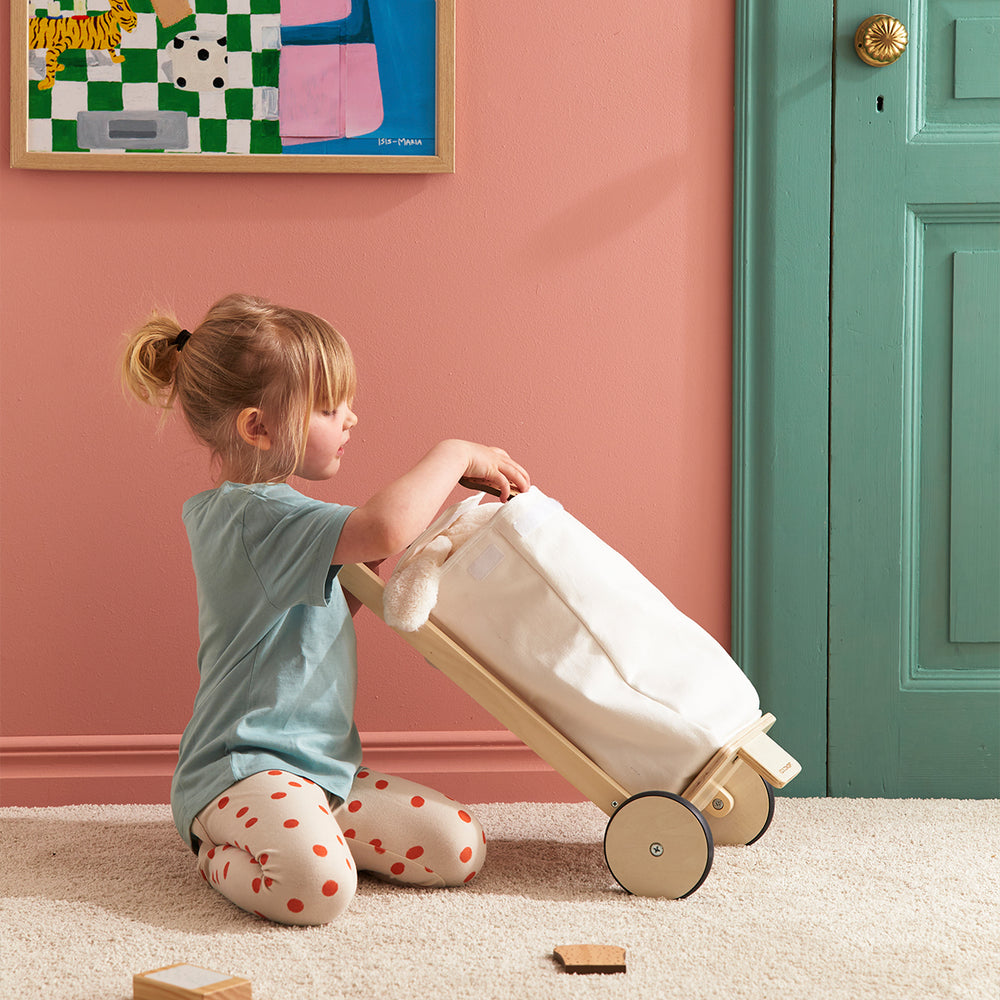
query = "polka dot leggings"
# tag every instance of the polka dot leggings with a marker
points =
(273, 844)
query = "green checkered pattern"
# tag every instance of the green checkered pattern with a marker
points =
(227, 121)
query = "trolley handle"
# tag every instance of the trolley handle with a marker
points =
(485, 486)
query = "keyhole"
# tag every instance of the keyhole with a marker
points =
(879, 103)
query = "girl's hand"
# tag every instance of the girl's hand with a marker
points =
(493, 467)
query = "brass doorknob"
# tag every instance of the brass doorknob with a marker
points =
(880, 40)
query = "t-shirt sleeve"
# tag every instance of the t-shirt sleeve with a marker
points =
(290, 545)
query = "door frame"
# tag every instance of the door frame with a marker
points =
(784, 89)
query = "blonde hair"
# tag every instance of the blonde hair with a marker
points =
(246, 353)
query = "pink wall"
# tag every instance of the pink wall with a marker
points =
(565, 293)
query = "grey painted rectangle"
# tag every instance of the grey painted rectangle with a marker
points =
(146, 129)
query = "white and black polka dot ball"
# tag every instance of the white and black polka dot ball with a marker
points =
(201, 51)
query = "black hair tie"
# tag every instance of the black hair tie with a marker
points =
(182, 338)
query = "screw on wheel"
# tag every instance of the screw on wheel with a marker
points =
(658, 844)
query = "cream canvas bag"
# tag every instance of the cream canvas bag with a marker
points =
(582, 636)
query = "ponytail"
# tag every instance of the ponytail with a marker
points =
(149, 364)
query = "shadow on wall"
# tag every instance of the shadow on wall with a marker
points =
(604, 213)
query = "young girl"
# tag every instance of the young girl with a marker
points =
(269, 789)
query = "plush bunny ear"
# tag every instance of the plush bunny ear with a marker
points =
(411, 592)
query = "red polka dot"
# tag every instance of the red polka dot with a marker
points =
(204, 876)
(354, 806)
(324, 810)
(296, 905)
(414, 852)
(268, 882)
(225, 871)
(290, 824)
(274, 772)
(349, 865)
(263, 859)
(279, 795)
(211, 853)
(470, 876)
(250, 822)
(350, 834)
(398, 868)
(295, 784)
(243, 812)
(255, 885)
(466, 855)
(382, 783)
(363, 774)
(320, 851)
(330, 888)
(416, 802)
(464, 816)
(223, 802)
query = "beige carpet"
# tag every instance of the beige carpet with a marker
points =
(840, 899)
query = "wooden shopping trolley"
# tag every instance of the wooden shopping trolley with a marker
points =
(656, 843)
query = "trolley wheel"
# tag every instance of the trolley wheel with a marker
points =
(752, 812)
(658, 844)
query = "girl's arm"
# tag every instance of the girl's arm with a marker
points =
(392, 518)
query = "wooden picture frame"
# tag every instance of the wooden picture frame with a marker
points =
(201, 92)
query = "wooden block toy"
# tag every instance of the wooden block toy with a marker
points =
(188, 982)
(589, 958)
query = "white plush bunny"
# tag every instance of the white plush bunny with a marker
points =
(411, 592)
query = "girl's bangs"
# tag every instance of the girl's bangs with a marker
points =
(333, 377)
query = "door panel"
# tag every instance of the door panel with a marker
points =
(975, 456)
(914, 661)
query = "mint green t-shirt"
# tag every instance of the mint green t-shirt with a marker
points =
(277, 658)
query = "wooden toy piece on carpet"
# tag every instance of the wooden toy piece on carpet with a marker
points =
(589, 958)
(188, 982)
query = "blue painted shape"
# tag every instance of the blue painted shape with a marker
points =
(356, 27)
(405, 36)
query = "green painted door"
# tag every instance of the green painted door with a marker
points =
(914, 418)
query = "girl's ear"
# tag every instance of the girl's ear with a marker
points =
(250, 426)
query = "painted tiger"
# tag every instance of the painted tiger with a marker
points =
(96, 31)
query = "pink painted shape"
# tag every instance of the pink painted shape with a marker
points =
(309, 91)
(295, 12)
(364, 105)
(328, 92)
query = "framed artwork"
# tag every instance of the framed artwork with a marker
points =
(298, 86)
